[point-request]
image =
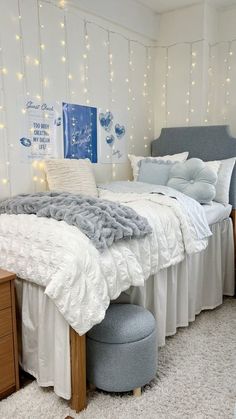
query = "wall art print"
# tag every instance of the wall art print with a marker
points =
(80, 132)
(113, 141)
(40, 131)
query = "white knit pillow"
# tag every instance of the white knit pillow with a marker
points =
(134, 160)
(71, 175)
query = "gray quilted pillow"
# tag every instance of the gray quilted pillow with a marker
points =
(194, 179)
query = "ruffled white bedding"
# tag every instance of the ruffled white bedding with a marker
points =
(174, 295)
(80, 280)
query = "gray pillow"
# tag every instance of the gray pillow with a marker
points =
(194, 179)
(154, 171)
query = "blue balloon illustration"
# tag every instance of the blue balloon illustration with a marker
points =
(110, 139)
(26, 142)
(119, 130)
(57, 122)
(106, 120)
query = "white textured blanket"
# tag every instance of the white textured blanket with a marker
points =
(80, 280)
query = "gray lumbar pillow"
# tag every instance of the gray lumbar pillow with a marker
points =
(154, 171)
(194, 179)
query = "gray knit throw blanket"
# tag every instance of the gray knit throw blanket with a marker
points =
(103, 222)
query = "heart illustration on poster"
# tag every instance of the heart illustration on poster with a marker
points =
(119, 130)
(110, 139)
(106, 120)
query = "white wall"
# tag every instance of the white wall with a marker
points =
(185, 24)
(20, 57)
(125, 13)
(202, 93)
(226, 110)
(179, 93)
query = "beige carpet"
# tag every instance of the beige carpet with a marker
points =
(196, 379)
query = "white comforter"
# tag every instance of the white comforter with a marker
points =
(80, 280)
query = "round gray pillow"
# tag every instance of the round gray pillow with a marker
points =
(195, 179)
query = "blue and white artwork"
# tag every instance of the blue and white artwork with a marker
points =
(40, 131)
(80, 132)
(113, 142)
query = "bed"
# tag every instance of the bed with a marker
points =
(175, 294)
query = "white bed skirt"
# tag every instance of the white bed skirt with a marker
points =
(175, 295)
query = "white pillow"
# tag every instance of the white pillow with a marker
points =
(71, 175)
(224, 178)
(213, 165)
(134, 160)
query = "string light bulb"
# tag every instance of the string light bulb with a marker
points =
(62, 3)
(19, 76)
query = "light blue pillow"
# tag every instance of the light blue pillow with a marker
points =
(194, 179)
(154, 171)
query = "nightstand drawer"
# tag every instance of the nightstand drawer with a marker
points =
(5, 322)
(5, 295)
(7, 367)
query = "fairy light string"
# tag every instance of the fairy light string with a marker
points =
(65, 57)
(6, 180)
(227, 81)
(146, 94)
(39, 95)
(149, 98)
(111, 99)
(165, 86)
(209, 86)
(86, 61)
(131, 98)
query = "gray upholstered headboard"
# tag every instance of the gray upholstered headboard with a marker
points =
(206, 143)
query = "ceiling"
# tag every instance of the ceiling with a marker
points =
(161, 6)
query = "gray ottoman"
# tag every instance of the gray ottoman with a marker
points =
(122, 349)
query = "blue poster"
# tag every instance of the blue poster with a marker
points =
(80, 132)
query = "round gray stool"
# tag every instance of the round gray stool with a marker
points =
(122, 349)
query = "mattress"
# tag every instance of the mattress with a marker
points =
(217, 212)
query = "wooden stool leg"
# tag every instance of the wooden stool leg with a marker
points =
(137, 392)
(78, 371)
(91, 387)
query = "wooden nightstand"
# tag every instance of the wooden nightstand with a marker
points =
(9, 370)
